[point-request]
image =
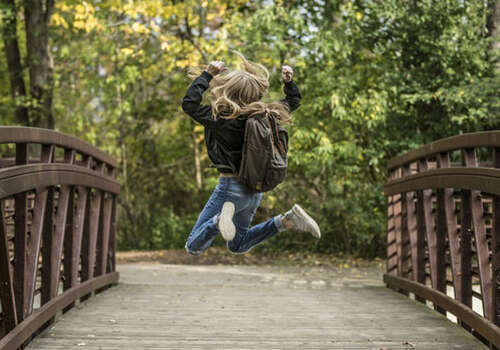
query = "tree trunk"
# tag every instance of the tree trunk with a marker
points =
(197, 155)
(494, 29)
(11, 48)
(37, 15)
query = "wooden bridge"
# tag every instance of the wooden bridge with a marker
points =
(57, 262)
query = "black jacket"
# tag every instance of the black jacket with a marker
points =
(226, 132)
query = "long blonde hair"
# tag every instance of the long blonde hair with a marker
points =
(237, 92)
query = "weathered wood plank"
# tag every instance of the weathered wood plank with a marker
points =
(466, 248)
(7, 296)
(399, 232)
(435, 245)
(20, 241)
(482, 250)
(391, 236)
(76, 236)
(34, 244)
(103, 238)
(90, 236)
(112, 234)
(495, 244)
(416, 240)
(424, 219)
(447, 218)
(242, 307)
(47, 234)
(405, 234)
(39, 211)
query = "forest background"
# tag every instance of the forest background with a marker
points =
(377, 78)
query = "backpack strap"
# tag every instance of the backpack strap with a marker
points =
(274, 130)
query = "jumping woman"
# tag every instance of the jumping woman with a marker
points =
(235, 96)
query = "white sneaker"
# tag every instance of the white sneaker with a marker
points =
(226, 225)
(302, 221)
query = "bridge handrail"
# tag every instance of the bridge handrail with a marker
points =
(66, 206)
(31, 135)
(463, 141)
(444, 219)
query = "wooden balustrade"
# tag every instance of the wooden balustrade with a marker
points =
(57, 227)
(444, 228)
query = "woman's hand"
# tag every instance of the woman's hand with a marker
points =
(216, 67)
(287, 73)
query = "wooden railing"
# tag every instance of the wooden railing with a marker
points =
(57, 227)
(444, 229)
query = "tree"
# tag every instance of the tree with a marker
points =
(13, 55)
(37, 109)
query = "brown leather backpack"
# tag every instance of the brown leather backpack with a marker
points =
(264, 157)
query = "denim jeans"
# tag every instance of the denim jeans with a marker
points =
(229, 189)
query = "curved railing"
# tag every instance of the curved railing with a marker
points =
(444, 229)
(57, 227)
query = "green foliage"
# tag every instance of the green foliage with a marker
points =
(377, 78)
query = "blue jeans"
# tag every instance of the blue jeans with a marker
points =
(229, 189)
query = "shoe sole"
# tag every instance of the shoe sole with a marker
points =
(226, 225)
(297, 209)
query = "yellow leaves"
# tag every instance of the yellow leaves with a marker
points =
(200, 138)
(359, 16)
(325, 141)
(83, 16)
(154, 26)
(131, 51)
(126, 51)
(334, 100)
(460, 93)
(140, 28)
(58, 20)
(191, 59)
(62, 6)
(198, 128)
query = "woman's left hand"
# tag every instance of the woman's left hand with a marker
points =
(216, 67)
(287, 73)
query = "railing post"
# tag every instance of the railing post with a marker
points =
(6, 286)
(416, 245)
(37, 223)
(424, 219)
(112, 237)
(447, 223)
(91, 232)
(398, 229)
(392, 259)
(495, 245)
(435, 244)
(20, 240)
(405, 237)
(466, 244)
(482, 250)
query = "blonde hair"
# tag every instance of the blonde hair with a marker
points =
(239, 92)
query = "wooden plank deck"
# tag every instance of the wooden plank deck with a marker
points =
(242, 307)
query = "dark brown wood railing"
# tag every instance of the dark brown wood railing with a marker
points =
(444, 229)
(57, 228)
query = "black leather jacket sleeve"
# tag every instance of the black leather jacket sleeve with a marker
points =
(292, 96)
(191, 103)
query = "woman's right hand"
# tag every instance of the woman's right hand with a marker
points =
(216, 67)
